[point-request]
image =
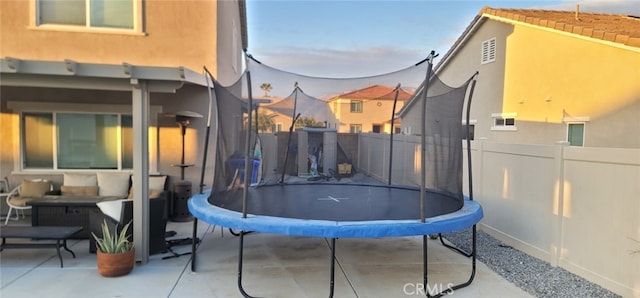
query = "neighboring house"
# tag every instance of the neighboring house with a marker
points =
(85, 84)
(280, 116)
(548, 77)
(368, 109)
(311, 109)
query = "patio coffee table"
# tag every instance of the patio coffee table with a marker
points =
(65, 211)
(59, 234)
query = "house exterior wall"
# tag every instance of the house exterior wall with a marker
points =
(374, 112)
(548, 79)
(227, 48)
(174, 34)
(281, 119)
(489, 86)
(576, 77)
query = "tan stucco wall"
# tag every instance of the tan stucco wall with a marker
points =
(546, 76)
(175, 33)
(372, 114)
(229, 66)
(459, 69)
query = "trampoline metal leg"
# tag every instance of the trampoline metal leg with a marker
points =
(333, 266)
(460, 251)
(425, 278)
(193, 245)
(240, 254)
(451, 289)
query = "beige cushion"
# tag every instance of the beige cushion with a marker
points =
(157, 182)
(156, 186)
(66, 190)
(34, 188)
(113, 184)
(153, 193)
(80, 180)
(21, 201)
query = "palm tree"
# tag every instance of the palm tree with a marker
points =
(265, 121)
(308, 121)
(266, 87)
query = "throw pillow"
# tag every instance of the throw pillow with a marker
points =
(155, 182)
(153, 193)
(111, 209)
(80, 180)
(113, 184)
(156, 186)
(30, 188)
(79, 190)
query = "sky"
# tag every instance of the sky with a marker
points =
(355, 38)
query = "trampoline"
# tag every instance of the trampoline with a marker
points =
(347, 210)
(336, 210)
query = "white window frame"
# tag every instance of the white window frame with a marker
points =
(20, 107)
(488, 51)
(584, 129)
(355, 125)
(576, 120)
(504, 126)
(138, 26)
(473, 123)
(357, 103)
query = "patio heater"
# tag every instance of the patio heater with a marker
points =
(179, 210)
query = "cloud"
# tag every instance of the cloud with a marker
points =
(326, 62)
(349, 60)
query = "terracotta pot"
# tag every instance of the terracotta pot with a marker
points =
(113, 265)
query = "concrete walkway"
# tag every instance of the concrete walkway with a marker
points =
(274, 266)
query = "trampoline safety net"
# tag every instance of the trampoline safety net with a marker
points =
(264, 91)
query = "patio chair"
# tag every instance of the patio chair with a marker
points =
(27, 191)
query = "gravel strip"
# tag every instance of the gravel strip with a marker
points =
(533, 275)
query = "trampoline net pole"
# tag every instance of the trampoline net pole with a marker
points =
(247, 175)
(393, 114)
(423, 155)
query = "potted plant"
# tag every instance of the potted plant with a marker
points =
(115, 253)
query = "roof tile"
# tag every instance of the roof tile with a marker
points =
(634, 42)
(623, 29)
(609, 36)
(620, 38)
(577, 29)
(587, 32)
(376, 92)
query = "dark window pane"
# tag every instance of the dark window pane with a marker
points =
(63, 12)
(38, 140)
(127, 142)
(510, 121)
(87, 141)
(576, 134)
